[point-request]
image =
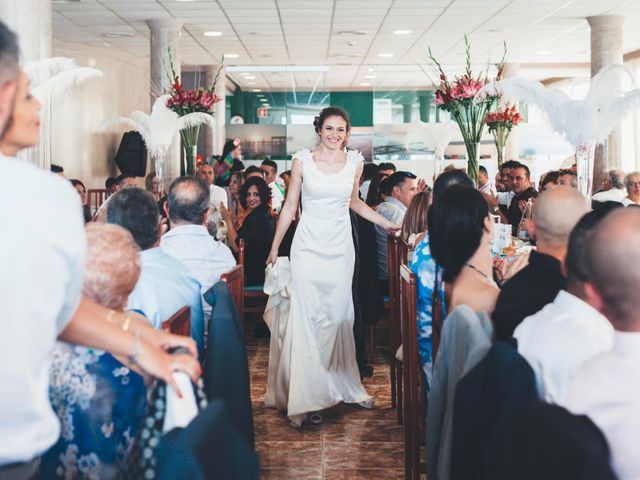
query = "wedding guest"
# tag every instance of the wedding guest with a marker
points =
(606, 388)
(189, 241)
(402, 186)
(152, 185)
(568, 178)
(165, 284)
(286, 177)
(374, 194)
(228, 162)
(387, 168)
(257, 231)
(110, 186)
(218, 194)
(612, 188)
(125, 180)
(253, 171)
(414, 224)
(484, 183)
(58, 170)
(98, 398)
(549, 180)
(632, 182)
(555, 214)
(54, 270)
(460, 241)
(82, 191)
(560, 338)
(368, 172)
(523, 191)
(237, 211)
(270, 169)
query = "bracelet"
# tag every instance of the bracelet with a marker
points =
(127, 323)
(133, 358)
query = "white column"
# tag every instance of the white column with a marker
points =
(31, 21)
(511, 152)
(606, 49)
(215, 137)
(165, 36)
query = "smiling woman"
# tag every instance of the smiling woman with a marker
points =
(23, 128)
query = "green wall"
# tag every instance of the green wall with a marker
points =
(359, 105)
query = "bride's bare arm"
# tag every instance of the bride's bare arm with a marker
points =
(288, 211)
(364, 210)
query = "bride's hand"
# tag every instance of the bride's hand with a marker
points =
(273, 256)
(392, 228)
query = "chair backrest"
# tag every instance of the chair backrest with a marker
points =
(179, 323)
(95, 198)
(235, 281)
(393, 255)
(241, 252)
(403, 251)
(413, 407)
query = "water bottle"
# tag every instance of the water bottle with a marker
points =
(523, 234)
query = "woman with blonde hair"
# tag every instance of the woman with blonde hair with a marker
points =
(414, 224)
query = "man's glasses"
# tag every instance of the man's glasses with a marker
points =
(633, 184)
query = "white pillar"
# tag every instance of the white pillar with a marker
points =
(31, 21)
(511, 151)
(165, 36)
(606, 49)
(215, 136)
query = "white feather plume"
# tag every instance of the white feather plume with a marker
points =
(160, 128)
(42, 70)
(65, 81)
(580, 121)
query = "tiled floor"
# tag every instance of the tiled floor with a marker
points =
(353, 443)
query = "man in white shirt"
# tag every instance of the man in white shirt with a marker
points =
(485, 184)
(566, 333)
(612, 188)
(217, 194)
(403, 187)
(42, 250)
(189, 241)
(165, 284)
(270, 169)
(606, 388)
(632, 182)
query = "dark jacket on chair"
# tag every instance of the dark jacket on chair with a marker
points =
(487, 399)
(226, 368)
(369, 295)
(547, 442)
(208, 448)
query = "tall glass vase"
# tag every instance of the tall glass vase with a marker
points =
(502, 153)
(473, 159)
(159, 159)
(190, 145)
(585, 155)
(190, 154)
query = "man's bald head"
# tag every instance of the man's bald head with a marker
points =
(555, 214)
(613, 258)
(188, 201)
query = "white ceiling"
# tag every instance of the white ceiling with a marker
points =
(548, 38)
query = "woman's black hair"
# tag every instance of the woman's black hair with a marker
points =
(229, 146)
(331, 112)
(75, 181)
(373, 195)
(263, 190)
(456, 224)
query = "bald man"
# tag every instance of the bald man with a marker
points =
(555, 213)
(607, 388)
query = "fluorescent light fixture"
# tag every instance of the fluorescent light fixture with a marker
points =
(365, 84)
(230, 55)
(402, 32)
(543, 52)
(372, 69)
(251, 83)
(249, 77)
(212, 34)
(369, 77)
(118, 34)
(276, 68)
(385, 55)
(256, 90)
(260, 95)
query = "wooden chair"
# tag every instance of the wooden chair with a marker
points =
(179, 323)
(391, 305)
(95, 198)
(414, 388)
(255, 300)
(235, 282)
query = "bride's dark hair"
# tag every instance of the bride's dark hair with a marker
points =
(331, 112)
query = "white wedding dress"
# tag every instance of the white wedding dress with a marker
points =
(317, 368)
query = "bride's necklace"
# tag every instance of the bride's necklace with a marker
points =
(490, 281)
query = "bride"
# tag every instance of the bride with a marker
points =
(317, 368)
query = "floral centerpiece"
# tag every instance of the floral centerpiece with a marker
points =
(184, 102)
(457, 97)
(500, 124)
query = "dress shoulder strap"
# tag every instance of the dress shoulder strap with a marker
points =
(302, 155)
(354, 157)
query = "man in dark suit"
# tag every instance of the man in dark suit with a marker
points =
(521, 187)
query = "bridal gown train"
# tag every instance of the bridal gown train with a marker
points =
(317, 368)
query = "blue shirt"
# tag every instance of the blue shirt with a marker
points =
(424, 266)
(165, 286)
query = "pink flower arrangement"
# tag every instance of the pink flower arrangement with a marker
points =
(500, 124)
(457, 97)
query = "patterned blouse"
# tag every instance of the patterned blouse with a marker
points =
(100, 403)
(424, 266)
